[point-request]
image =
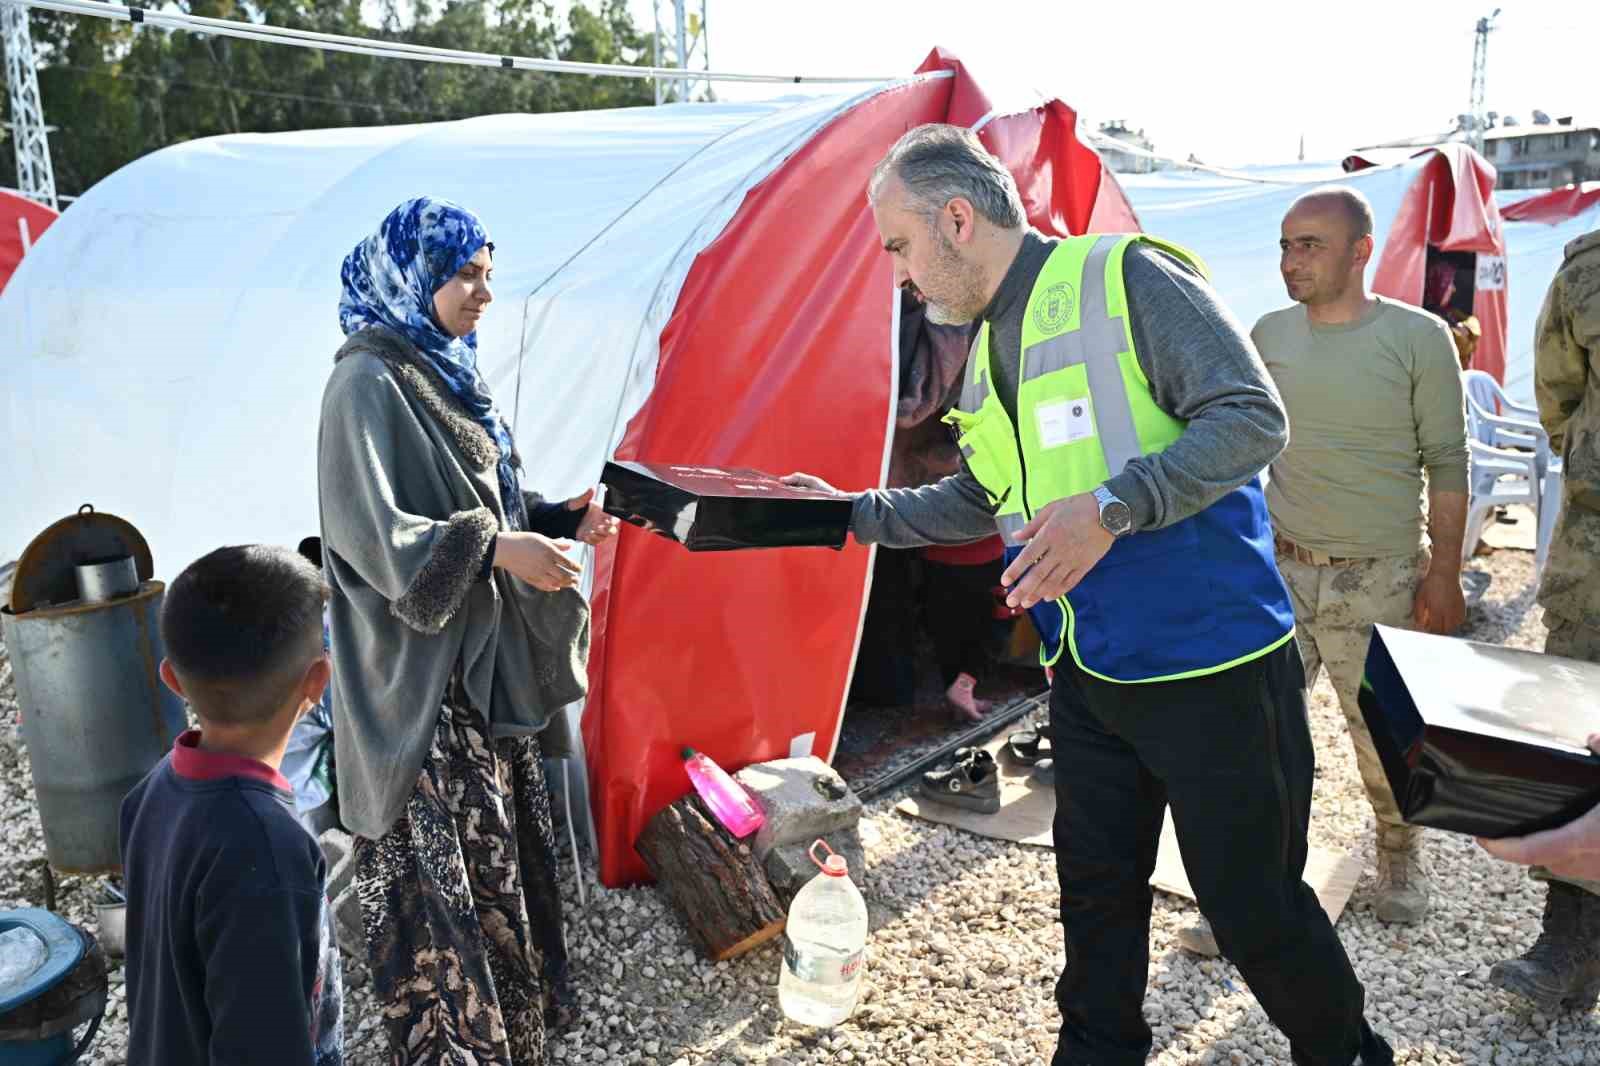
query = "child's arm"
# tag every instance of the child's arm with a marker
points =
(261, 971)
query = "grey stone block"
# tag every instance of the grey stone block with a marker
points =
(789, 866)
(347, 928)
(803, 799)
(338, 848)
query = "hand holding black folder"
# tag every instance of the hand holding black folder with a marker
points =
(1480, 739)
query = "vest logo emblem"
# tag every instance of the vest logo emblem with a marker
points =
(1054, 308)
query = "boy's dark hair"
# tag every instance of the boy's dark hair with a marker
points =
(311, 548)
(240, 627)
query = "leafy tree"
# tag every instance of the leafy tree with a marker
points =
(113, 92)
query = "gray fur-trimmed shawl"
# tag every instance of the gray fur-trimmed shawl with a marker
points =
(410, 504)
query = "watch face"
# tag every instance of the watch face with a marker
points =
(1116, 517)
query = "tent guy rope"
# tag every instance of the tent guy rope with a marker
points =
(331, 42)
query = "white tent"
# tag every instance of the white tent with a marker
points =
(190, 300)
(1533, 254)
(690, 284)
(1232, 222)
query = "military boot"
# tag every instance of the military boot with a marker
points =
(1562, 969)
(1402, 891)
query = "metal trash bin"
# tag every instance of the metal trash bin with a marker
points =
(52, 981)
(95, 713)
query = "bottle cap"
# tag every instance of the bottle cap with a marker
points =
(834, 865)
(688, 753)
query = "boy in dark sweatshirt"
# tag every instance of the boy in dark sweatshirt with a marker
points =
(230, 953)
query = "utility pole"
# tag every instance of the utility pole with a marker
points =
(36, 179)
(1480, 60)
(686, 34)
(705, 47)
(683, 47)
(655, 48)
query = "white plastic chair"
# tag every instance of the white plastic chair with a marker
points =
(1482, 387)
(1517, 427)
(1498, 477)
(1549, 514)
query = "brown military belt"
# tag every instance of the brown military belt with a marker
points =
(1307, 556)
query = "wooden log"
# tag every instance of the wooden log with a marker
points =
(714, 881)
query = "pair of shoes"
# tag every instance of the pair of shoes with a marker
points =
(973, 782)
(962, 699)
(1561, 972)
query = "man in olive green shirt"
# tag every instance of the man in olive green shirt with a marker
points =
(1374, 397)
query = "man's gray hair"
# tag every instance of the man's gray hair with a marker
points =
(1354, 205)
(938, 163)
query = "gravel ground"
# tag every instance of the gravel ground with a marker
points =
(965, 952)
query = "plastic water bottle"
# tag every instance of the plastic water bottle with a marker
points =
(728, 801)
(825, 947)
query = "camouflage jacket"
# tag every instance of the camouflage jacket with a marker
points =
(1567, 386)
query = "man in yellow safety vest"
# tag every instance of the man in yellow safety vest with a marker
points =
(1114, 423)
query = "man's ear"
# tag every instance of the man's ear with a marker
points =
(170, 676)
(961, 218)
(1365, 247)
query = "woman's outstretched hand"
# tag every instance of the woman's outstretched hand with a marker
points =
(536, 559)
(596, 526)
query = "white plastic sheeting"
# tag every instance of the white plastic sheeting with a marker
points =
(1232, 222)
(1533, 254)
(167, 342)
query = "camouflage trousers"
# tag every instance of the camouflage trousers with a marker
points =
(1335, 608)
(1570, 640)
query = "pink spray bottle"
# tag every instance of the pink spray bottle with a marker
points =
(725, 797)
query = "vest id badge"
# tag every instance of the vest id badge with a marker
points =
(1064, 422)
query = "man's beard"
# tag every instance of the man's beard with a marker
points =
(940, 315)
(961, 278)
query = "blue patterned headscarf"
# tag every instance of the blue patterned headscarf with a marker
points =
(389, 280)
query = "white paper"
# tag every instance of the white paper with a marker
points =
(1491, 273)
(1064, 422)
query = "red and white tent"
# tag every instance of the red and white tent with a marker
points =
(1450, 206)
(748, 656)
(21, 222)
(693, 283)
(1440, 199)
(1554, 206)
(1538, 229)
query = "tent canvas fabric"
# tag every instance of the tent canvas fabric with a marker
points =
(1555, 205)
(1538, 229)
(22, 222)
(696, 282)
(812, 389)
(1443, 196)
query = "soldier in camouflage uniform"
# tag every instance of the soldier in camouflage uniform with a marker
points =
(1562, 970)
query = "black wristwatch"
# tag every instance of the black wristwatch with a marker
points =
(1116, 517)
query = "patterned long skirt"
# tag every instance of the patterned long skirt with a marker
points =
(461, 907)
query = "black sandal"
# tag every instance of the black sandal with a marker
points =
(1028, 746)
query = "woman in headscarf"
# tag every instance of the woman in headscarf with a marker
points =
(457, 637)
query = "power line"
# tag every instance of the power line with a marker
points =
(331, 42)
(177, 83)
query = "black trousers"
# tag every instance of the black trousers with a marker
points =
(958, 602)
(954, 604)
(1231, 753)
